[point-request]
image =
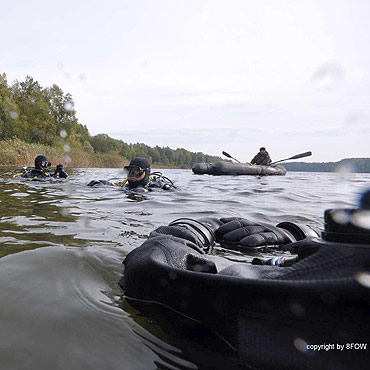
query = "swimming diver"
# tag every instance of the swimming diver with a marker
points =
(139, 178)
(41, 170)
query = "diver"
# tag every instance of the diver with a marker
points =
(41, 170)
(139, 178)
(262, 157)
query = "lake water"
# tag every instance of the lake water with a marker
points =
(62, 246)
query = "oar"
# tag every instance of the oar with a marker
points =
(302, 155)
(229, 156)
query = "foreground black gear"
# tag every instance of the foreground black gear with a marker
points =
(242, 234)
(268, 317)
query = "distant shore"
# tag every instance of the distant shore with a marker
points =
(16, 153)
(355, 165)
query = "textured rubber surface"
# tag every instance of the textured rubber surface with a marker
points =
(237, 169)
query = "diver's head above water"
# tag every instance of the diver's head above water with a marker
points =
(138, 172)
(42, 163)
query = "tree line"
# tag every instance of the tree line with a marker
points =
(35, 114)
(360, 165)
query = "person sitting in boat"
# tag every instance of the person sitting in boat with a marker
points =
(139, 177)
(41, 170)
(262, 157)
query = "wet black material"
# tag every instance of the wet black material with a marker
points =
(246, 235)
(252, 308)
(365, 200)
(342, 225)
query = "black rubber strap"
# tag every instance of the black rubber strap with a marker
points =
(199, 228)
(299, 231)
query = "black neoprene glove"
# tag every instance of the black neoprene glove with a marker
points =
(58, 168)
(60, 171)
(242, 234)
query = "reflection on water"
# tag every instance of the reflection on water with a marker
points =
(61, 306)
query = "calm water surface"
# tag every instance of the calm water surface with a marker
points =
(62, 246)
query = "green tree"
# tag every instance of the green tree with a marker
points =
(9, 111)
(39, 126)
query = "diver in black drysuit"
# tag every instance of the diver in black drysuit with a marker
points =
(139, 178)
(42, 171)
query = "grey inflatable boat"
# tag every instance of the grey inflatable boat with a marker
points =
(237, 169)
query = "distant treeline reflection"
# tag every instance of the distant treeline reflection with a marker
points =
(34, 119)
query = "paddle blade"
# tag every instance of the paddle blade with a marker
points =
(302, 155)
(229, 156)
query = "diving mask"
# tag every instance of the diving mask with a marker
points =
(45, 164)
(135, 172)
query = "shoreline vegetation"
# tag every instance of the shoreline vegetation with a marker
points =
(36, 120)
(16, 153)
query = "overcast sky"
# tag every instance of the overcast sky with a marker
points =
(208, 76)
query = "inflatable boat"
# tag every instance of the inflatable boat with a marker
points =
(312, 314)
(237, 169)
